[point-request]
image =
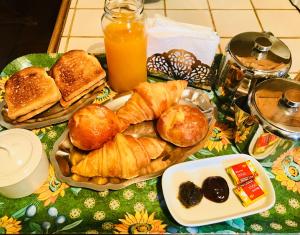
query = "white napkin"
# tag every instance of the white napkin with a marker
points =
(165, 34)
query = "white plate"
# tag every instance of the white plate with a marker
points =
(208, 212)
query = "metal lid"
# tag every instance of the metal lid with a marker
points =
(261, 53)
(20, 152)
(276, 102)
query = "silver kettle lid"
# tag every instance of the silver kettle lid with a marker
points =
(276, 102)
(261, 53)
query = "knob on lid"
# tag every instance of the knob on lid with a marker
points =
(291, 98)
(260, 52)
(262, 44)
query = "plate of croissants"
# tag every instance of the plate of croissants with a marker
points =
(133, 137)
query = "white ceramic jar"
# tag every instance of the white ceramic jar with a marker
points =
(24, 165)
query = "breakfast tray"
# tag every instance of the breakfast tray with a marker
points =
(61, 208)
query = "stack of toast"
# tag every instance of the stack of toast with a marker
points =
(32, 91)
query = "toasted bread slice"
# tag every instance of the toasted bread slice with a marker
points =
(68, 103)
(29, 89)
(75, 72)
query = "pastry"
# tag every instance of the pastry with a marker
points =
(150, 100)
(182, 125)
(122, 157)
(135, 110)
(93, 125)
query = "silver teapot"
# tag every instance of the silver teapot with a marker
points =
(251, 57)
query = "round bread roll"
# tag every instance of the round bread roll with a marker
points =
(182, 125)
(91, 126)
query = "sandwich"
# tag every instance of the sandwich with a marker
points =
(30, 92)
(76, 73)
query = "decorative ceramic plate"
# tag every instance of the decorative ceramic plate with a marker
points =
(208, 212)
(63, 149)
(54, 114)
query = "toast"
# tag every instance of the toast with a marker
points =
(30, 90)
(75, 72)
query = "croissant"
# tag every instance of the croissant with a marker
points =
(150, 100)
(122, 157)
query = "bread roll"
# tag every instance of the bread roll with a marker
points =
(182, 125)
(92, 126)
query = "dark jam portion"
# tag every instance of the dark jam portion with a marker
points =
(189, 194)
(216, 189)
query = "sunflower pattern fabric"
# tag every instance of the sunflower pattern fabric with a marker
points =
(140, 208)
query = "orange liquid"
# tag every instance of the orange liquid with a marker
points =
(125, 46)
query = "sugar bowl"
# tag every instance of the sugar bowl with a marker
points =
(251, 57)
(271, 120)
(23, 163)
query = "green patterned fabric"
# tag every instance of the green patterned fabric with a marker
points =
(58, 208)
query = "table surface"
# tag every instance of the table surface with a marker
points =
(57, 207)
(82, 28)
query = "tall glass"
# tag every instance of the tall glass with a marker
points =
(125, 43)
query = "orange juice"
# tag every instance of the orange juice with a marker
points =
(125, 45)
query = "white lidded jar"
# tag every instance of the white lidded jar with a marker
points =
(24, 165)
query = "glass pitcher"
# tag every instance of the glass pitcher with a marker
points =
(125, 39)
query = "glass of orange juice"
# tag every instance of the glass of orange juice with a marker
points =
(125, 43)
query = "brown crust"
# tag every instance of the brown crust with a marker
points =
(75, 72)
(182, 125)
(29, 89)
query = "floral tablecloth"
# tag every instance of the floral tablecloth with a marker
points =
(59, 208)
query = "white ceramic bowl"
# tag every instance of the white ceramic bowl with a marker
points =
(24, 165)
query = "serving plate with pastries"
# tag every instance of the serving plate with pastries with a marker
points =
(36, 95)
(133, 137)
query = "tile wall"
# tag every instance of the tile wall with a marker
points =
(82, 28)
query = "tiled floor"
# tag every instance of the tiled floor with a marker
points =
(228, 17)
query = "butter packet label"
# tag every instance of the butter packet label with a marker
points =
(242, 172)
(249, 192)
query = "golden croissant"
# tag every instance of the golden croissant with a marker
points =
(122, 157)
(150, 100)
